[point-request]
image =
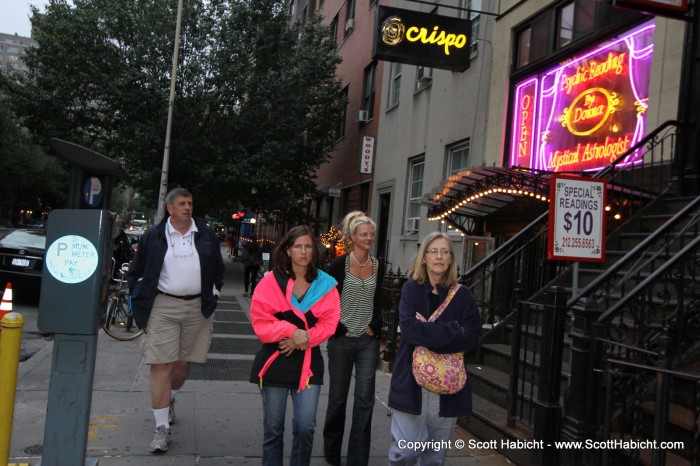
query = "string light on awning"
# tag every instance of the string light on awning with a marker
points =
(486, 192)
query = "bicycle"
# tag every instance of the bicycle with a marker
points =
(117, 319)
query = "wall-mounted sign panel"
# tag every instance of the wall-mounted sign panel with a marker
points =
(422, 39)
(367, 154)
(576, 219)
(670, 8)
(583, 114)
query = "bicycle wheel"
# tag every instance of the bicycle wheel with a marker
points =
(116, 323)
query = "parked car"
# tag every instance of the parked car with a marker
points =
(22, 253)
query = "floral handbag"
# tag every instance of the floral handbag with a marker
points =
(443, 374)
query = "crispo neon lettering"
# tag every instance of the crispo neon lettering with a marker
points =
(436, 37)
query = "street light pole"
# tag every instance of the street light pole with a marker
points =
(171, 103)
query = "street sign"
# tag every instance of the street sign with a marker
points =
(576, 219)
(71, 259)
(92, 191)
(367, 154)
(334, 191)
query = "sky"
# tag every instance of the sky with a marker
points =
(14, 16)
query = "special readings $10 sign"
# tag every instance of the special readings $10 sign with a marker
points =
(576, 219)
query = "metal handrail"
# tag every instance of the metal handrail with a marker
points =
(599, 174)
(681, 255)
(635, 252)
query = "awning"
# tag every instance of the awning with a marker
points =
(492, 193)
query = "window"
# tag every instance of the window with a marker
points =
(349, 17)
(415, 195)
(292, 8)
(565, 25)
(558, 27)
(457, 158)
(350, 9)
(369, 90)
(334, 29)
(474, 7)
(424, 77)
(340, 131)
(532, 41)
(394, 84)
(574, 20)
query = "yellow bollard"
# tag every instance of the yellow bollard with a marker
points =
(10, 339)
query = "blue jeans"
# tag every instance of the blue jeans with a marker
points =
(344, 353)
(303, 424)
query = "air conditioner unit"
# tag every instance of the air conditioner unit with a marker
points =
(425, 81)
(363, 115)
(412, 224)
(349, 25)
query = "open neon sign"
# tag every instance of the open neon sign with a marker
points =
(586, 112)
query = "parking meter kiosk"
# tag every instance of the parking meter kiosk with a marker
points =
(74, 286)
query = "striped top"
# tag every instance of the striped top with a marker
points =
(357, 300)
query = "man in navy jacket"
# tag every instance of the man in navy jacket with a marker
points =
(174, 280)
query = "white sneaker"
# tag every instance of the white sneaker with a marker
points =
(161, 439)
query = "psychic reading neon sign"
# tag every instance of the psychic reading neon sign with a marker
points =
(584, 113)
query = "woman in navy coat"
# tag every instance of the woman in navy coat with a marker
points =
(419, 415)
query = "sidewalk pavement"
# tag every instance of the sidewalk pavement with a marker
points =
(218, 422)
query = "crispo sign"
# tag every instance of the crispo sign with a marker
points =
(422, 39)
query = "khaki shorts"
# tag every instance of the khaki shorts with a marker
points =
(176, 331)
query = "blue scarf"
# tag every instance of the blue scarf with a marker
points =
(318, 289)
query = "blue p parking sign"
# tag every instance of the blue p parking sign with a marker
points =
(92, 191)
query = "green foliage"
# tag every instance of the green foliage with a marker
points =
(256, 100)
(31, 179)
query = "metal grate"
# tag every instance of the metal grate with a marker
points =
(234, 346)
(221, 369)
(232, 316)
(229, 306)
(233, 328)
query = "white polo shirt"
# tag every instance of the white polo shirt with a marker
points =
(181, 274)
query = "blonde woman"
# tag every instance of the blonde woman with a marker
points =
(419, 415)
(355, 345)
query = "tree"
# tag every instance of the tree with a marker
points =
(23, 164)
(256, 106)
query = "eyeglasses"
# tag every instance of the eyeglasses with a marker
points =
(435, 252)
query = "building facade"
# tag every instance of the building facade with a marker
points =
(439, 144)
(12, 48)
(432, 125)
(345, 182)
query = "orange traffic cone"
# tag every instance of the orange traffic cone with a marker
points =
(6, 305)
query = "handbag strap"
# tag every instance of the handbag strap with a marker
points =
(450, 295)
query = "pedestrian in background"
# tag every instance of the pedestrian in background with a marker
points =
(355, 344)
(294, 309)
(229, 243)
(251, 255)
(174, 280)
(418, 414)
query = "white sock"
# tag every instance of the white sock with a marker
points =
(161, 416)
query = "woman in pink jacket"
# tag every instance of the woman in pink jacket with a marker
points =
(295, 308)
